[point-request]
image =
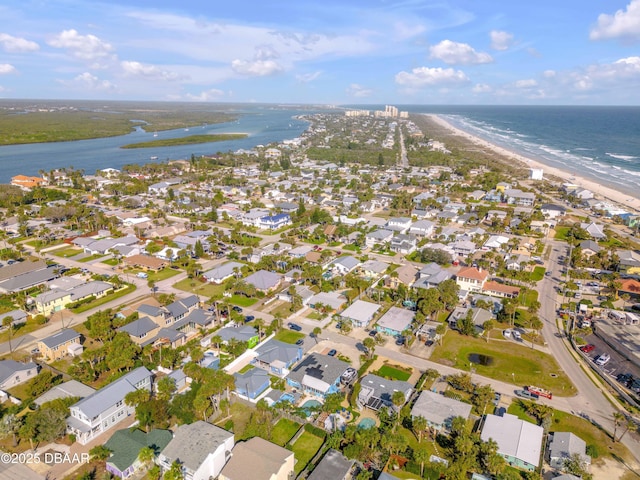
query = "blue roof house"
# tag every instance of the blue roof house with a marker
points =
(317, 375)
(274, 222)
(252, 383)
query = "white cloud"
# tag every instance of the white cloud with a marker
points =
(622, 24)
(83, 47)
(454, 53)
(403, 30)
(481, 88)
(308, 77)
(138, 69)
(359, 91)
(426, 76)
(256, 68)
(17, 45)
(528, 83)
(207, 96)
(500, 40)
(92, 82)
(549, 73)
(6, 68)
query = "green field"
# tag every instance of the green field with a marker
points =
(283, 431)
(195, 286)
(537, 274)
(189, 140)
(288, 336)
(393, 373)
(242, 301)
(305, 448)
(512, 363)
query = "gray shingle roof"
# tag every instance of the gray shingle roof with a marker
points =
(323, 367)
(8, 368)
(60, 338)
(139, 327)
(191, 444)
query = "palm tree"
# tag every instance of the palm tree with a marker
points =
(629, 425)
(7, 322)
(398, 399)
(146, 456)
(419, 425)
(421, 455)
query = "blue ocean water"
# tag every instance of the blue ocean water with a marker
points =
(600, 143)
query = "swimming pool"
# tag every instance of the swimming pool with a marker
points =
(367, 423)
(309, 404)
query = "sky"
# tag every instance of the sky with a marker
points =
(547, 52)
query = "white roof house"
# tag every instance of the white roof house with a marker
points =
(360, 313)
(439, 410)
(519, 442)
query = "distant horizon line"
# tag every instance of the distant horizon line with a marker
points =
(313, 104)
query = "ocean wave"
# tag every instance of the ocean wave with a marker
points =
(626, 158)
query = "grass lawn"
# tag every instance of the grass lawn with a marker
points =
(406, 475)
(112, 262)
(282, 309)
(91, 258)
(163, 274)
(352, 247)
(30, 326)
(240, 415)
(201, 288)
(106, 299)
(305, 448)
(288, 336)
(516, 408)
(246, 368)
(512, 363)
(528, 297)
(561, 233)
(393, 373)
(67, 252)
(283, 431)
(537, 274)
(242, 301)
(315, 316)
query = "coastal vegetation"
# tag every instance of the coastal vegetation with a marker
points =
(26, 122)
(190, 140)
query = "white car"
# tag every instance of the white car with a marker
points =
(603, 359)
(506, 333)
(516, 335)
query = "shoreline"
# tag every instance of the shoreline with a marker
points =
(623, 200)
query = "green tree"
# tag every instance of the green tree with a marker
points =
(10, 425)
(99, 452)
(419, 426)
(122, 352)
(421, 456)
(174, 472)
(166, 388)
(7, 322)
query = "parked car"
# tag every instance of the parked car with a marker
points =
(496, 398)
(400, 340)
(373, 333)
(295, 327)
(332, 352)
(249, 318)
(506, 333)
(548, 274)
(516, 335)
(300, 342)
(602, 359)
(527, 394)
(588, 348)
(237, 309)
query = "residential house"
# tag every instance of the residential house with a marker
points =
(478, 317)
(274, 222)
(422, 228)
(333, 300)
(125, 445)
(563, 446)
(26, 182)
(344, 265)
(13, 373)
(495, 242)
(18, 317)
(629, 261)
(142, 331)
(497, 289)
(258, 459)
(438, 410)
(471, 279)
(223, 272)
(395, 321)
(360, 313)
(146, 262)
(317, 375)
(377, 392)
(519, 441)
(52, 301)
(373, 268)
(56, 346)
(264, 280)
(463, 248)
(399, 224)
(378, 237)
(252, 383)
(333, 466)
(595, 230)
(431, 276)
(518, 197)
(240, 334)
(589, 248)
(201, 449)
(68, 389)
(405, 274)
(404, 244)
(552, 211)
(105, 408)
(277, 357)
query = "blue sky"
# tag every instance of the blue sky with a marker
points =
(329, 51)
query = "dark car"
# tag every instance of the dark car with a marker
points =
(249, 318)
(400, 340)
(373, 333)
(548, 274)
(295, 327)
(300, 342)
(332, 352)
(237, 309)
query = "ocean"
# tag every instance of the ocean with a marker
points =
(596, 142)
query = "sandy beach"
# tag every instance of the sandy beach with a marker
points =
(605, 193)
